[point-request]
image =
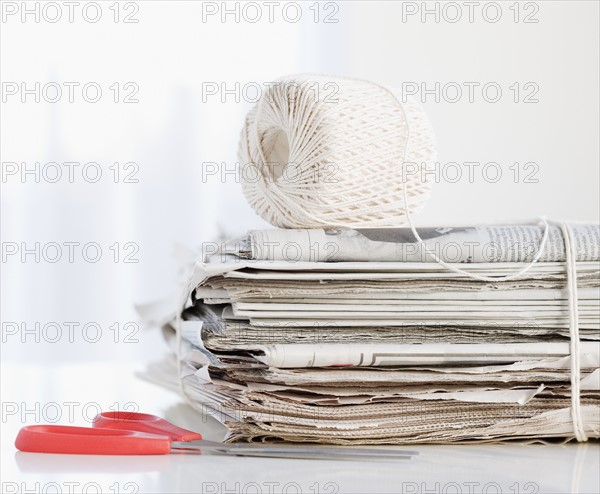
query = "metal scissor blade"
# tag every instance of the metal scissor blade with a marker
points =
(325, 450)
(322, 449)
(314, 455)
(300, 455)
(297, 451)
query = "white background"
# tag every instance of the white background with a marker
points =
(174, 128)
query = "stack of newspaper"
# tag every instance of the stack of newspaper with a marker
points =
(359, 337)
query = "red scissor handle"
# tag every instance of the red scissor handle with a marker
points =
(65, 439)
(144, 422)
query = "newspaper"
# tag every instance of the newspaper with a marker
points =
(370, 342)
(451, 244)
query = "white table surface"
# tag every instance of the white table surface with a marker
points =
(37, 394)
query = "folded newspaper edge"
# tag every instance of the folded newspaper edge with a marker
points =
(451, 244)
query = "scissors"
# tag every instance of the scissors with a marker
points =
(129, 433)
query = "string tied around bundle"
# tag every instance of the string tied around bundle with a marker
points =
(572, 301)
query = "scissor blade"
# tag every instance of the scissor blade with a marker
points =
(306, 455)
(297, 451)
(303, 448)
(325, 451)
(315, 455)
(319, 454)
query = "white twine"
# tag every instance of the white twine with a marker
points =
(319, 151)
(571, 265)
(306, 204)
(572, 300)
(571, 260)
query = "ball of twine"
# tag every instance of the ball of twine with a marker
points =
(317, 152)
